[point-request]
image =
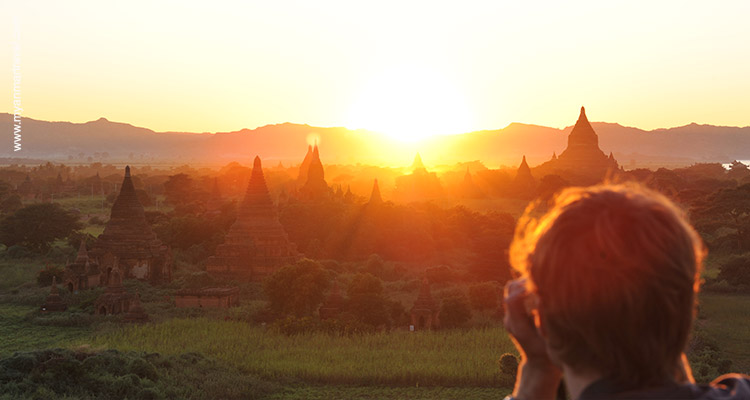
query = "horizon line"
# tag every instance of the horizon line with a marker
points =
(374, 131)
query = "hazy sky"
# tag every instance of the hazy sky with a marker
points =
(392, 66)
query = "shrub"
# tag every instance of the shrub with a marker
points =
(455, 311)
(736, 271)
(484, 296)
(508, 364)
(19, 251)
(112, 374)
(44, 277)
(297, 289)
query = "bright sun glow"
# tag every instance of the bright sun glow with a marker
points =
(411, 104)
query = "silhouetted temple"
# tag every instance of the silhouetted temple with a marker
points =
(524, 184)
(136, 313)
(114, 300)
(468, 189)
(54, 303)
(348, 196)
(420, 185)
(256, 244)
(375, 197)
(582, 160)
(209, 297)
(315, 187)
(426, 312)
(417, 164)
(83, 273)
(129, 238)
(305, 166)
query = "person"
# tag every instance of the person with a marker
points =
(606, 297)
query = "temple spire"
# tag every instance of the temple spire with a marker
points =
(83, 255)
(315, 186)
(583, 133)
(375, 197)
(417, 164)
(305, 166)
(53, 290)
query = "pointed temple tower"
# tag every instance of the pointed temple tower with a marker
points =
(524, 183)
(348, 196)
(417, 164)
(582, 159)
(136, 313)
(468, 189)
(256, 244)
(315, 187)
(419, 185)
(83, 273)
(54, 303)
(305, 166)
(375, 197)
(129, 237)
(425, 313)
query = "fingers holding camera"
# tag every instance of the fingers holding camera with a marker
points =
(538, 377)
(520, 323)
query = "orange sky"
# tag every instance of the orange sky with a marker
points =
(409, 69)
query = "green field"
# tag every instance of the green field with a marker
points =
(379, 392)
(728, 322)
(17, 333)
(400, 358)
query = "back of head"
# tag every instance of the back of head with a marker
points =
(615, 269)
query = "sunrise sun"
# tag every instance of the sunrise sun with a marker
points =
(410, 104)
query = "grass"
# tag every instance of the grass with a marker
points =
(86, 204)
(17, 333)
(379, 392)
(15, 273)
(399, 358)
(728, 322)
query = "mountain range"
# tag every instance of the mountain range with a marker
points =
(108, 141)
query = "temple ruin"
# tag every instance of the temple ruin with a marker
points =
(128, 237)
(257, 243)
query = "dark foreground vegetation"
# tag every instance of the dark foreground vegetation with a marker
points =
(111, 374)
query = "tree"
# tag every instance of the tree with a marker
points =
(730, 208)
(366, 301)
(736, 271)
(738, 170)
(297, 289)
(36, 226)
(178, 189)
(455, 311)
(483, 296)
(10, 204)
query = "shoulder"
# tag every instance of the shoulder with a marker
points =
(729, 386)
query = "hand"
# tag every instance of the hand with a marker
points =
(520, 324)
(538, 377)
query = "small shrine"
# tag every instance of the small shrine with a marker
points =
(222, 297)
(426, 311)
(54, 303)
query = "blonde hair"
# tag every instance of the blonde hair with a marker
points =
(615, 268)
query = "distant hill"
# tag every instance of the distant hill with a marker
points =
(288, 143)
